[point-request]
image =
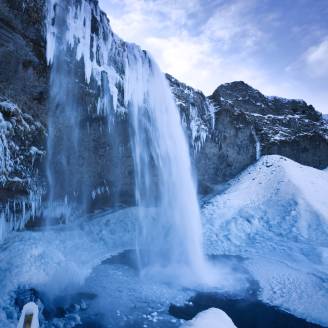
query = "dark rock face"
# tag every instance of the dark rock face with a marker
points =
(23, 110)
(23, 69)
(239, 123)
(291, 128)
(229, 149)
(23, 89)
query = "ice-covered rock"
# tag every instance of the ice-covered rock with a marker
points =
(227, 131)
(29, 316)
(20, 161)
(247, 124)
(211, 318)
(222, 141)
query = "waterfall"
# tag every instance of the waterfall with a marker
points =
(130, 82)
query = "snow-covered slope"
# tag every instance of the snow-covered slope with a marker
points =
(276, 197)
(275, 215)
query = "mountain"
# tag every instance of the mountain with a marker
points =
(288, 127)
(239, 124)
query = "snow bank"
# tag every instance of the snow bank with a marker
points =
(276, 198)
(275, 216)
(211, 318)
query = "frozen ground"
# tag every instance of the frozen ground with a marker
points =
(275, 215)
(81, 274)
(269, 229)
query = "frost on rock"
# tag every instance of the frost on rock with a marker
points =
(197, 112)
(18, 169)
(211, 318)
(16, 213)
(283, 126)
(275, 215)
(5, 160)
(199, 130)
(257, 145)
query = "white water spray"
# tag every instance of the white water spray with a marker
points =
(172, 240)
(169, 242)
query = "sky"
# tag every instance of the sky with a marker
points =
(277, 46)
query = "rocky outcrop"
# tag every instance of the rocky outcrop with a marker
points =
(23, 69)
(239, 124)
(23, 92)
(222, 140)
(287, 127)
(21, 149)
(23, 110)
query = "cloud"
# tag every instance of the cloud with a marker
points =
(190, 39)
(208, 42)
(316, 59)
(234, 22)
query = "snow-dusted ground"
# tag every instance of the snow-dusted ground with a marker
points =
(275, 215)
(59, 259)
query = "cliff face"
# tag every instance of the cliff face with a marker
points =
(23, 90)
(23, 110)
(287, 127)
(248, 124)
(226, 131)
(222, 141)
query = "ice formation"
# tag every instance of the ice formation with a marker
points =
(14, 125)
(29, 309)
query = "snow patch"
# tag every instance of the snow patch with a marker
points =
(211, 318)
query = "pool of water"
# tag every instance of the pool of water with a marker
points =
(115, 295)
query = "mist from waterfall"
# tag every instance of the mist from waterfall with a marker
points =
(169, 240)
(172, 239)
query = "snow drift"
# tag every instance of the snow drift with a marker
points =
(275, 216)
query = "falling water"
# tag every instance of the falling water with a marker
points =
(170, 240)
(63, 128)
